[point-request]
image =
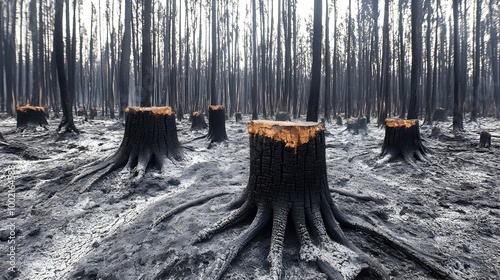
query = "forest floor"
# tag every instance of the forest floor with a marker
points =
(447, 206)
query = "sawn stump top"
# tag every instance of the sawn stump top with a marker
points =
(293, 134)
(400, 122)
(154, 110)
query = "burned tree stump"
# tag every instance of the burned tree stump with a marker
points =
(485, 139)
(402, 139)
(93, 113)
(31, 116)
(356, 125)
(216, 124)
(82, 112)
(339, 120)
(283, 117)
(198, 121)
(439, 115)
(237, 117)
(150, 139)
(2, 140)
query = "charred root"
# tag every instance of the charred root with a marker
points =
(31, 116)
(150, 139)
(288, 179)
(402, 139)
(485, 139)
(217, 124)
(198, 121)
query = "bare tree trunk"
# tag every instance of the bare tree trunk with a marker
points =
(147, 71)
(457, 112)
(428, 83)
(313, 103)
(477, 69)
(416, 57)
(255, 114)
(328, 74)
(125, 60)
(402, 62)
(213, 92)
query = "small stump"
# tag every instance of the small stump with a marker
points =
(2, 140)
(216, 124)
(339, 120)
(237, 117)
(198, 121)
(402, 139)
(356, 125)
(288, 179)
(439, 115)
(93, 113)
(150, 138)
(485, 139)
(31, 116)
(82, 112)
(283, 117)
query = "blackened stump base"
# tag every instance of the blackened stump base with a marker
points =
(216, 124)
(150, 138)
(198, 121)
(31, 116)
(402, 139)
(485, 139)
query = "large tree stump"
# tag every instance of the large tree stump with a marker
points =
(402, 139)
(31, 116)
(150, 139)
(216, 124)
(485, 139)
(198, 121)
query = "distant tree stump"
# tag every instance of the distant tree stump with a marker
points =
(283, 117)
(356, 125)
(339, 120)
(2, 140)
(150, 138)
(485, 139)
(31, 116)
(82, 112)
(198, 121)
(237, 116)
(216, 124)
(93, 113)
(402, 139)
(439, 115)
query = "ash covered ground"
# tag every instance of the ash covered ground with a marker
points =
(447, 207)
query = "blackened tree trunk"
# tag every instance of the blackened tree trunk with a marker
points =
(255, 114)
(213, 92)
(313, 103)
(31, 116)
(402, 62)
(150, 138)
(385, 94)
(198, 121)
(458, 119)
(416, 58)
(402, 139)
(494, 60)
(428, 83)
(123, 82)
(216, 124)
(328, 78)
(477, 70)
(147, 68)
(67, 119)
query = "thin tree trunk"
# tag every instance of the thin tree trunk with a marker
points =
(477, 69)
(416, 57)
(147, 71)
(313, 103)
(457, 113)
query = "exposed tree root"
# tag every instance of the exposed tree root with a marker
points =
(358, 196)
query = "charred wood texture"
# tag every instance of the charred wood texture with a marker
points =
(237, 117)
(485, 139)
(198, 121)
(283, 117)
(439, 115)
(31, 116)
(150, 139)
(402, 139)
(357, 125)
(288, 178)
(216, 124)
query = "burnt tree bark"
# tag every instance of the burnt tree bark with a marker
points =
(31, 116)
(150, 139)
(216, 124)
(288, 178)
(402, 139)
(313, 104)
(198, 121)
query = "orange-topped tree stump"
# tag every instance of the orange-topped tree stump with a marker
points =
(198, 121)
(150, 138)
(402, 139)
(216, 124)
(31, 116)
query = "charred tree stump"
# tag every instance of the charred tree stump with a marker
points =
(216, 124)
(288, 178)
(2, 140)
(439, 115)
(198, 121)
(339, 120)
(31, 116)
(485, 139)
(82, 112)
(402, 139)
(356, 125)
(150, 139)
(237, 117)
(283, 117)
